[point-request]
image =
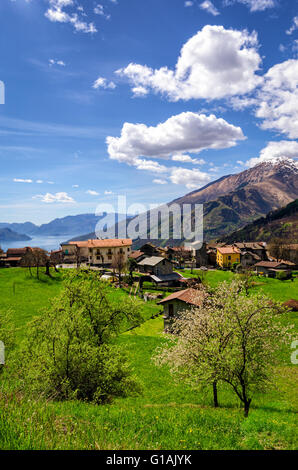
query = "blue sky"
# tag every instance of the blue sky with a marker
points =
(144, 98)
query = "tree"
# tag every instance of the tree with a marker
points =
(69, 350)
(56, 257)
(1, 251)
(37, 258)
(246, 277)
(279, 248)
(231, 338)
(132, 266)
(119, 265)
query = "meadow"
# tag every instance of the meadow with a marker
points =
(166, 415)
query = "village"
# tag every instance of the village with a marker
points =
(170, 276)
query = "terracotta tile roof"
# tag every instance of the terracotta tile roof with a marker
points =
(136, 254)
(106, 243)
(17, 251)
(189, 296)
(273, 264)
(225, 250)
(13, 258)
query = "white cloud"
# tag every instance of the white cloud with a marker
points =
(56, 62)
(185, 132)
(188, 3)
(51, 198)
(56, 13)
(158, 181)
(294, 25)
(92, 192)
(213, 64)
(274, 150)
(209, 7)
(278, 98)
(21, 180)
(39, 181)
(188, 159)
(103, 83)
(254, 5)
(107, 193)
(75, 185)
(99, 10)
(189, 178)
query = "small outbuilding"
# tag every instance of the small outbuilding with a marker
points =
(178, 302)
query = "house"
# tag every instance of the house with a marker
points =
(178, 302)
(226, 256)
(160, 271)
(137, 255)
(257, 248)
(96, 252)
(248, 259)
(272, 267)
(202, 258)
(149, 249)
(155, 265)
(14, 255)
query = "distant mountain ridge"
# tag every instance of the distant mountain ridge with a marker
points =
(66, 226)
(8, 235)
(230, 203)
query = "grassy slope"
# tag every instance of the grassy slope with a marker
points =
(166, 416)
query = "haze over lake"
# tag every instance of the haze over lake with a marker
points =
(47, 243)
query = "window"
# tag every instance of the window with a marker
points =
(109, 256)
(229, 257)
(66, 252)
(171, 310)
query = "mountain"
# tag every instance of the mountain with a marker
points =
(8, 235)
(235, 200)
(282, 223)
(71, 225)
(26, 227)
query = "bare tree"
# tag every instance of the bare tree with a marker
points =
(36, 258)
(119, 265)
(56, 257)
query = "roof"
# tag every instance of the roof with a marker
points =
(273, 264)
(167, 277)
(13, 258)
(106, 243)
(152, 261)
(189, 296)
(250, 245)
(250, 253)
(225, 250)
(17, 251)
(136, 254)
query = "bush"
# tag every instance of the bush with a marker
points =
(69, 351)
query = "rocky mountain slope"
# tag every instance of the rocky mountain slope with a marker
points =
(235, 200)
(282, 223)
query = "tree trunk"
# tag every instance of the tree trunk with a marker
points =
(48, 269)
(246, 407)
(215, 399)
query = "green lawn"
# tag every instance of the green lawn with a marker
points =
(167, 415)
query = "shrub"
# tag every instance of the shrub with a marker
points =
(69, 352)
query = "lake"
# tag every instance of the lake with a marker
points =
(47, 243)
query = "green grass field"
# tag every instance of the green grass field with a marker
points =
(167, 415)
